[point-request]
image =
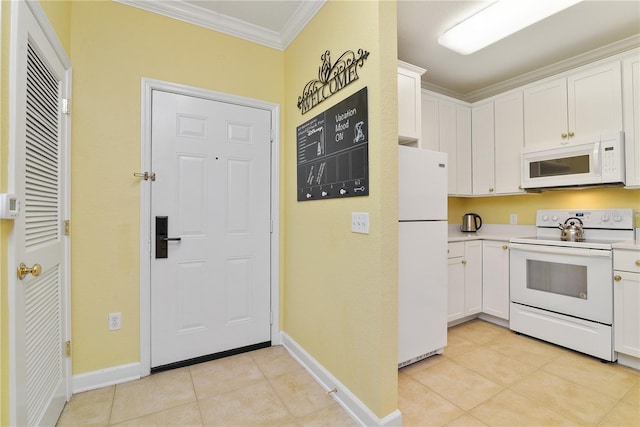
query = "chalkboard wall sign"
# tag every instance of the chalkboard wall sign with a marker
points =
(333, 151)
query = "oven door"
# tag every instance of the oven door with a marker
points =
(573, 281)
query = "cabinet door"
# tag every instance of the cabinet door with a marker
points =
(509, 140)
(430, 126)
(473, 277)
(409, 106)
(595, 100)
(455, 289)
(447, 126)
(545, 112)
(463, 148)
(626, 309)
(631, 98)
(482, 145)
(495, 279)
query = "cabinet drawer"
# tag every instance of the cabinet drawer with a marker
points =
(626, 261)
(455, 249)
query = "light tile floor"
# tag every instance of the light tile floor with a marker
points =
(486, 376)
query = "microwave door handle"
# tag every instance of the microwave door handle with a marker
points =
(596, 159)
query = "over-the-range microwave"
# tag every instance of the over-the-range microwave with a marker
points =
(593, 160)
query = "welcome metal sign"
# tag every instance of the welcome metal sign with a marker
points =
(331, 78)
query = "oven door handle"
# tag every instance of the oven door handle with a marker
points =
(561, 250)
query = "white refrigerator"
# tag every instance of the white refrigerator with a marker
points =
(422, 259)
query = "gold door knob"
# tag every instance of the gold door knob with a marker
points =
(617, 278)
(23, 270)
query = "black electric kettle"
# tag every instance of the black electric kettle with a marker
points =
(471, 222)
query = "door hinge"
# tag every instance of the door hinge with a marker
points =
(67, 227)
(66, 106)
(271, 317)
(67, 348)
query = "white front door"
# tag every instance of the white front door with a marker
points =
(38, 291)
(210, 280)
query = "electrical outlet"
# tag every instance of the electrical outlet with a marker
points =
(360, 222)
(114, 321)
(513, 219)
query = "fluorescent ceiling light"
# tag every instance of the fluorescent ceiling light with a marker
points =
(498, 21)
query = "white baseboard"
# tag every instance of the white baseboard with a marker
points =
(629, 361)
(345, 398)
(106, 377)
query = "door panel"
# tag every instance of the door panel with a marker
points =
(39, 366)
(212, 165)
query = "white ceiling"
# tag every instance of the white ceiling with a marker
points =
(584, 32)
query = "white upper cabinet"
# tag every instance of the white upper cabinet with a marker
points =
(409, 104)
(463, 148)
(585, 102)
(631, 99)
(446, 126)
(545, 112)
(509, 139)
(482, 143)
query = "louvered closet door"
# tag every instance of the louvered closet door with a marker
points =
(40, 360)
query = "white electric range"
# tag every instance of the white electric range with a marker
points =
(562, 291)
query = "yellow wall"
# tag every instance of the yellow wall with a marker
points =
(341, 288)
(496, 210)
(113, 47)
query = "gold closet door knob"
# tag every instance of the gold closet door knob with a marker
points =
(23, 270)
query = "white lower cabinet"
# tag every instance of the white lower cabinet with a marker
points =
(495, 278)
(465, 279)
(626, 302)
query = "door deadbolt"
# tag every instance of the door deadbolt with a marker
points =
(23, 270)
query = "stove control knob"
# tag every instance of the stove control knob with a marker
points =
(545, 217)
(617, 218)
(554, 218)
(604, 218)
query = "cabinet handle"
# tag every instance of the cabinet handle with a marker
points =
(464, 262)
(638, 262)
(490, 189)
(564, 136)
(505, 247)
(617, 278)
(571, 134)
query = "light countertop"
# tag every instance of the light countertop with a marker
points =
(499, 232)
(633, 245)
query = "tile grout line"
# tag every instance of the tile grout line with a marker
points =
(195, 394)
(284, 404)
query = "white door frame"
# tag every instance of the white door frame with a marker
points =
(15, 115)
(148, 85)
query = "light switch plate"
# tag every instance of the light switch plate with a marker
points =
(360, 222)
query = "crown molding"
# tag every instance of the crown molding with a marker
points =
(603, 52)
(196, 15)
